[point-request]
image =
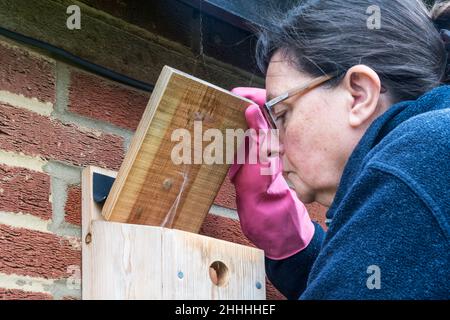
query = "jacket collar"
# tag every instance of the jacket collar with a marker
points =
(438, 98)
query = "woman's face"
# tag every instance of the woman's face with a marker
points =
(318, 133)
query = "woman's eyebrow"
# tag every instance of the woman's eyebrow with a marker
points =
(270, 97)
(278, 108)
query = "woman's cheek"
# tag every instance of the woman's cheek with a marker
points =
(297, 157)
(292, 148)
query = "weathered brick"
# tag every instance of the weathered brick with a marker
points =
(37, 254)
(272, 293)
(24, 73)
(37, 135)
(73, 205)
(230, 230)
(226, 197)
(23, 190)
(16, 294)
(100, 99)
(317, 213)
(224, 228)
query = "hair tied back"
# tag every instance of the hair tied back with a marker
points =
(445, 35)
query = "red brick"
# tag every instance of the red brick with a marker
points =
(317, 213)
(226, 197)
(37, 254)
(224, 228)
(23, 190)
(37, 135)
(73, 205)
(272, 293)
(100, 99)
(26, 74)
(15, 294)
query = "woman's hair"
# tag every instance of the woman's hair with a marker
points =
(326, 36)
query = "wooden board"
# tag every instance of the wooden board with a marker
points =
(150, 189)
(127, 261)
(243, 276)
(90, 211)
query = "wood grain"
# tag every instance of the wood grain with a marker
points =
(90, 211)
(150, 189)
(193, 255)
(127, 261)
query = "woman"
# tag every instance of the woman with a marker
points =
(370, 139)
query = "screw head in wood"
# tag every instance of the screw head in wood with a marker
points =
(167, 184)
(199, 116)
(88, 238)
(139, 211)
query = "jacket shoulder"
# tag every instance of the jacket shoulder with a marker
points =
(417, 152)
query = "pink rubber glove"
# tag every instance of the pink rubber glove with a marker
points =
(270, 213)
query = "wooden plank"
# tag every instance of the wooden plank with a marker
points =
(237, 271)
(119, 261)
(126, 261)
(90, 211)
(150, 189)
(145, 262)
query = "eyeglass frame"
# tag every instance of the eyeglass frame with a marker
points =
(267, 107)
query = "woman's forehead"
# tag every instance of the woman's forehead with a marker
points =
(282, 75)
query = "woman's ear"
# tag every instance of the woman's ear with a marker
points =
(364, 86)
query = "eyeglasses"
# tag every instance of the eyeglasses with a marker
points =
(268, 106)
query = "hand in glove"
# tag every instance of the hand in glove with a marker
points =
(270, 213)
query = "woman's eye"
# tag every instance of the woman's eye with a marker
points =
(280, 118)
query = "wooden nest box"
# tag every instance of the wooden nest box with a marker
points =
(142, 243)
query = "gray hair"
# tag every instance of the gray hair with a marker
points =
(328, 36)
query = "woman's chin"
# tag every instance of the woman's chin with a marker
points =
(306, 197)
(305, 194)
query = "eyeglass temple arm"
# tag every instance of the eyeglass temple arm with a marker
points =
(310, 85)
(294, 91)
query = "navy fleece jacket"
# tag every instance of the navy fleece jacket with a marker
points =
(390, 219)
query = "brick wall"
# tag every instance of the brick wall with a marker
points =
(54, 120)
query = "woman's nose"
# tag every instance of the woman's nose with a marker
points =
(276, 146)
(280, 135)
(285, 163)
(281, 149)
